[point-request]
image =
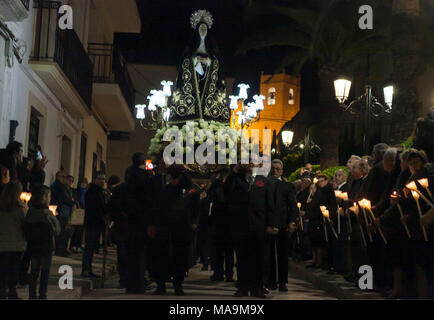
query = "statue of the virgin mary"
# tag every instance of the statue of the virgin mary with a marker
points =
(200, 89)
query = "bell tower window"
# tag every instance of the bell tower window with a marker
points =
(291, 96)
(271, 96)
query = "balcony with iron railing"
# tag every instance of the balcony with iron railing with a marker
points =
(113, 88)
(60, 59)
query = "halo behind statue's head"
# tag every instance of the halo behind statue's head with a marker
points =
(201, 16)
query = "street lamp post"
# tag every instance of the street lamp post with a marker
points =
(342, 90)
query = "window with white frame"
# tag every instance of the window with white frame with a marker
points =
(272, 96)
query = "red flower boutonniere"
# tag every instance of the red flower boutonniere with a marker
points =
(260, 183)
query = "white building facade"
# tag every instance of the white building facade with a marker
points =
(65, 93)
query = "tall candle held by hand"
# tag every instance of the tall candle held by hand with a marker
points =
(416, 198)
(299, 213)
(23, 196)
(53, 210)
(425, 184)
(28, 197)
(394, 195)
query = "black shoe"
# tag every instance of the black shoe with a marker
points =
(216, 278)
(42, 297)
(241, 293)
(283, 288)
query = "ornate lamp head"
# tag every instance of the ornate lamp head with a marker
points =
(201, 16)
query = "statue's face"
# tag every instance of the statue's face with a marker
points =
(203, 30)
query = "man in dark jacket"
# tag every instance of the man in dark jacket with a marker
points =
(175, 212)
(62, 198)
(94, 222)
(251, 206)
(137, 200)
(223, 248)
(285, 212)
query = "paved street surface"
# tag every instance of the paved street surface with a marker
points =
(199, 286)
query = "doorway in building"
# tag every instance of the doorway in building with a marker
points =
(65, 159)
(82, 168)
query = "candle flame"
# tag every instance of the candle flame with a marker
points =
(344, 196)
(23, 196)
(299, 205)
(365, 203)
(394, 195)
(411, 185)
(323, 208)
(423, 182)
(326, 213)
(415, 195)
(315, 180)
(53, 209)
(338, 194)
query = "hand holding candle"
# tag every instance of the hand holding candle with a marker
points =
(394, 195)
(299, 214)
(361, 204)
(367, 205)
(413, 187)
(326, 214)
(53, 210)
(416, 198)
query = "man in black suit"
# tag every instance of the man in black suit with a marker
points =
(251, 207)
(285, 212)
(175, 213)
(137, 194)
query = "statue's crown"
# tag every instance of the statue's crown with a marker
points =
(201, 16)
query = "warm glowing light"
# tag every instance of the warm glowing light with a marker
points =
(326, 213)
(140, 115)
(338, 193)
(28, 197)
(299, 205)
(342, 89)
(394, 195)
(344, 196)
(53, 210)
(423, 182)
(315, 180)
(415, 195)
(323, 208)
(287, 137)
(388, 95)
(23, 196)
(411, 186)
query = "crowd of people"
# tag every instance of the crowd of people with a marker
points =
(163, 220)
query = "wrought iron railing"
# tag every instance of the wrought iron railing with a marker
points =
(25, 3)
(63, 47)
(109, 66)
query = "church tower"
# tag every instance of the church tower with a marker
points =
(282, 103)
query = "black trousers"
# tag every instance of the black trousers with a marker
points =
(278, 245)
(136, 262)
(223, 257)
(250, 248)
(170, 253)
(63, 238)
(91, 245)
(122, 260)
(77, 236)
(9, 270)
(40, 265)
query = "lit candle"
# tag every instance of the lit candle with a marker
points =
(28, 197)
(424, 183)
(416, 197)
(338, 194)
(326, 214)
(361, 204)
(23, 196)
(394, 195)
(315, 180)
(413, 187)
(344, 196)
(53, 210)
(299, 214)
(368, 206)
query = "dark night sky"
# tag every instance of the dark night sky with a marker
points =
(166, 28)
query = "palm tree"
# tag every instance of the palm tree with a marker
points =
(328, 34)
